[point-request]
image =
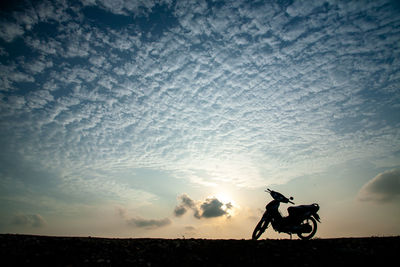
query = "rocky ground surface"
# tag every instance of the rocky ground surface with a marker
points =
(23, 250)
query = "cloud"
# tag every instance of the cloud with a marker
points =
(30, 14)
(210, 208)
(384, 187)
(148, 223)
(30, 220)
(9, 31)
(140, 222)
(126, 7)
(179, 210)
(186, 203)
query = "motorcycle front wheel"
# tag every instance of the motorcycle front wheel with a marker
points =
(260, 228)
(311, 222)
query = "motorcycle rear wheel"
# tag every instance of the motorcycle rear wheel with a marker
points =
(306, 236)
(260, 228)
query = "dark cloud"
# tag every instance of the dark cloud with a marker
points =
(32, 220)
(382, 188)
(186, 203)
(179, 210)
(210, 208)
(148, 223)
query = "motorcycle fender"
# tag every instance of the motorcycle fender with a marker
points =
(316, 216)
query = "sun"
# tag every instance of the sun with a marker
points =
(229, 204)
(224, 197)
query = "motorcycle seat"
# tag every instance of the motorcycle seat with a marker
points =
(303, 208)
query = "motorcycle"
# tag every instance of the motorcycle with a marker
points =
(301, 219)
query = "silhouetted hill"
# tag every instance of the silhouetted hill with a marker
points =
(17, 250)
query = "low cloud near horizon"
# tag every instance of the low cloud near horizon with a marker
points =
(140, 222)
(31, 220)
(384, 187)
(209, 208)
(148, 223)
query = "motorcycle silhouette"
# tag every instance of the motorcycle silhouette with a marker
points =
(301, 219)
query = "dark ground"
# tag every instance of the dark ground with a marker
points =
(17, 250)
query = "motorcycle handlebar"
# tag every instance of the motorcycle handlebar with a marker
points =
(285, 199)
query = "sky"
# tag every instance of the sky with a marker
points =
(169, 118)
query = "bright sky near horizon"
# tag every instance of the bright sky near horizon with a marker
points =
(169, 118)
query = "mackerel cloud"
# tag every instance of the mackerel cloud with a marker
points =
(227, 92)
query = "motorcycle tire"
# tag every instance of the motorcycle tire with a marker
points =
(313, 224)
(260, 228)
